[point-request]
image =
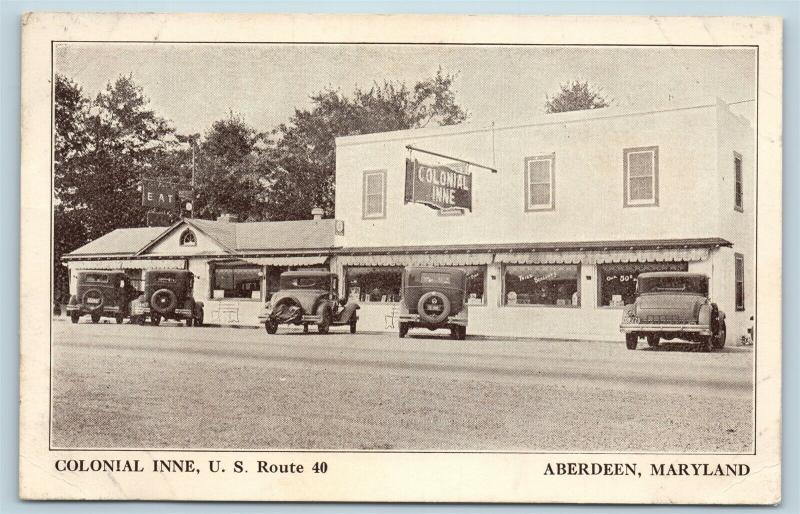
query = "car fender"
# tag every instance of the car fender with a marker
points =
(348, 312)
(73, 300)
(704, 314)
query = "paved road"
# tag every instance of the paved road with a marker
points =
(212, 387)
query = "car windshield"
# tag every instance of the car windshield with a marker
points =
(304, 282)
(692, 285)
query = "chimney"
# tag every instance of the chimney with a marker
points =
(228, 218)
(317, 213)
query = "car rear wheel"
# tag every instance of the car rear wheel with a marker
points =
(353, 326)
(403, 329)
(271, 327)
(75, 317)
(198, 317)
(155, 319)
(462, 333)
(325, 323)
(95, 318)
(120, 319)
(189, 322)
(631, 341)
(652, 341)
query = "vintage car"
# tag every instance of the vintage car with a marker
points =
(102, 293)
(308, 298)
(673, 305)
(434, 298)
(168, 295)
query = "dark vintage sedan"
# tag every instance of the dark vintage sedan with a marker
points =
(168, 294)
(673, 305)
(102, 293)
(434, 298)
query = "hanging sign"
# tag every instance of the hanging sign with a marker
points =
(439, 187)
(159, 194)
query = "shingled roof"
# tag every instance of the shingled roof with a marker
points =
(122, 241)
(235, 237)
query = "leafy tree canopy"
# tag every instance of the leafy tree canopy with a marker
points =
(304, 150)
(575, 96)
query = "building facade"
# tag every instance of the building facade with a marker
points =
(580, 204)
(236, 265)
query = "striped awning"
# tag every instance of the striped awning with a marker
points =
(418, 259)
(604, 256)
(300, 260)
(128, 264)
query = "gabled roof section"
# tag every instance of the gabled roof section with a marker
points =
(122, 241)
(250, 237)
(283, 235)
(223, 232)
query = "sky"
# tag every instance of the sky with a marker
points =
(194, 85)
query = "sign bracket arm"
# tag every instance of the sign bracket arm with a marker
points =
(415, 149)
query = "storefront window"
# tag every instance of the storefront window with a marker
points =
(476, 284)
(542, 284)
(236, 280)
(373, 284)
(617, 281)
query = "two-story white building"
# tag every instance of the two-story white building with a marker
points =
(581, 203)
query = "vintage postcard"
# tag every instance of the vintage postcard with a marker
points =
(401, 258)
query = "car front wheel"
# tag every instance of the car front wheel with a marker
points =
(75, 317)
(95, 318)
(719, 340)
(325, 322)
(707, 344)
(155, 319)
(403, 329)
(631, 341)
(353, 326)
(652, 341)
(271, 327)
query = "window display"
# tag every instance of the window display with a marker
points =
(617, 281)
(542, 284)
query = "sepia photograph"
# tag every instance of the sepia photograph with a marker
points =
(410, 247)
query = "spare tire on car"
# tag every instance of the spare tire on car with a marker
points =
(92, 299)
(163, 301)
(433, 307)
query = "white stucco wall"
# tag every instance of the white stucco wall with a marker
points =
(588, 181)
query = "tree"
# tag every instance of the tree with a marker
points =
(232, 171)
(102, 150)
(303, 155)
(71, 139)
(124, 141)
(575, 96)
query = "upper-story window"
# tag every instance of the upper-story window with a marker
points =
(188, 238)
(738, 188)
(641, 176)
(374, 194)
(539, 182)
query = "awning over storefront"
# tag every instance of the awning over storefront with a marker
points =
(301, 260)
(438, 259)
(604, 256)
(128, 264)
